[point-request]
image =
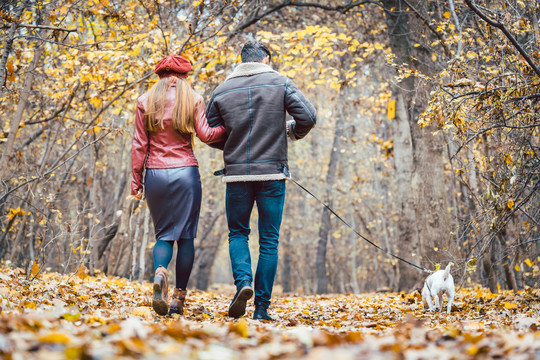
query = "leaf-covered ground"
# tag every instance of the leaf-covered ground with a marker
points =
(83, 317)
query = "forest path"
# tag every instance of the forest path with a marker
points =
(101, 317)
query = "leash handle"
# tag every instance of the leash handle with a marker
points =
(357, 233)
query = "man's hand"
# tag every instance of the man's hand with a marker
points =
(290, 129)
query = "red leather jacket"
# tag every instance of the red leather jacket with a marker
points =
(167, 148)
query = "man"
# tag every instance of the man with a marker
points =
(252, 104)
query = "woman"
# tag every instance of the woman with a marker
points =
(167, 117)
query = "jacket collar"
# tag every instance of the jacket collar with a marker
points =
(250, 68)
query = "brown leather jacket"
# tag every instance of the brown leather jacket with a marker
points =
(252, 104)
(167, 148)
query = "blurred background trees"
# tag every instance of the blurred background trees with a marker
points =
(427, 140)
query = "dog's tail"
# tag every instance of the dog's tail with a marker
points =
(447, 270)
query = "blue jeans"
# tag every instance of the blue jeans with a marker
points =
(270, 198)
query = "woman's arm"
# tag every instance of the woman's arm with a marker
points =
(139, 151)
(203, 131)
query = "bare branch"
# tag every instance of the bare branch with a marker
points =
(256, 17)
(506, 33)
(447, 51)
(45, 27)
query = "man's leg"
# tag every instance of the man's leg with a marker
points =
(239, 203)
(270, 199)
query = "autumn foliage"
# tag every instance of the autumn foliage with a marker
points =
(427, 144)
(77, 316)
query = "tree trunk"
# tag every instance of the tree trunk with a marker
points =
(324, 230)
(206, 254)
(146, 236)
(9, 45)
(286, 274)
(490, 271)
(507, 262)
(431, 223)
(23, 101)
(406, 234)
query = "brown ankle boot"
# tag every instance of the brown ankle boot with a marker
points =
(161, 287)
(177, 303)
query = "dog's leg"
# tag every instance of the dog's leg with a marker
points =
(429, 301)
(450, 295)
(437, 302)
(440, 299)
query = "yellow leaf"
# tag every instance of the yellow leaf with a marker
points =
(416, 45)
(378, 46)
(54, 338)
(529, 262)
(143, 311)
(71, 317)
(35, 269)
(81, 272)
(30, 305)
(434, 57)
(446, 15)
(239, 328)
(95, 101)
(510, 204)
(97, 129)
(509, 305)
(517, 268)
(197, 2)
(74, 353)
(472, 350)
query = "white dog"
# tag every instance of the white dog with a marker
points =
(436, 284)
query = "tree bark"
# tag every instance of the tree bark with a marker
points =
(146, 236)
(324, 230)
(431, 222)
(9, 45)
(206, 254)
(406, 235)
(507, 262)
(490, 271)
(23, 101)
(286, 277)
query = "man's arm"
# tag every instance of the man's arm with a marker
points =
(302, 111)
(214, 120)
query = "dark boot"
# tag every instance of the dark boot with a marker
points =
(243, 294)
(177, 303)
(160, 301)
(261, 314)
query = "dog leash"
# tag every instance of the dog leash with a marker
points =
(356, 232)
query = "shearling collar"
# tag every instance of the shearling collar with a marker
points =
(250, 68)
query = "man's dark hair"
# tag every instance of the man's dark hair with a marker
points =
(254, 51)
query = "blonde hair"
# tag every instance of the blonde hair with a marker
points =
(183, 115)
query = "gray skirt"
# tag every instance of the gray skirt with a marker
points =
(174, 199)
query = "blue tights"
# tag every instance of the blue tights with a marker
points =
(163, 251)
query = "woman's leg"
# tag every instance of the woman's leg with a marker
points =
(162, 253)
(184, 262)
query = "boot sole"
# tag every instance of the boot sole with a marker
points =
(158, 303)
(173, 310)
(238, 307)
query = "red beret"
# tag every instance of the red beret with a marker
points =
(173, 65)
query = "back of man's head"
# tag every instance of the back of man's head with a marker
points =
(254, 51)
